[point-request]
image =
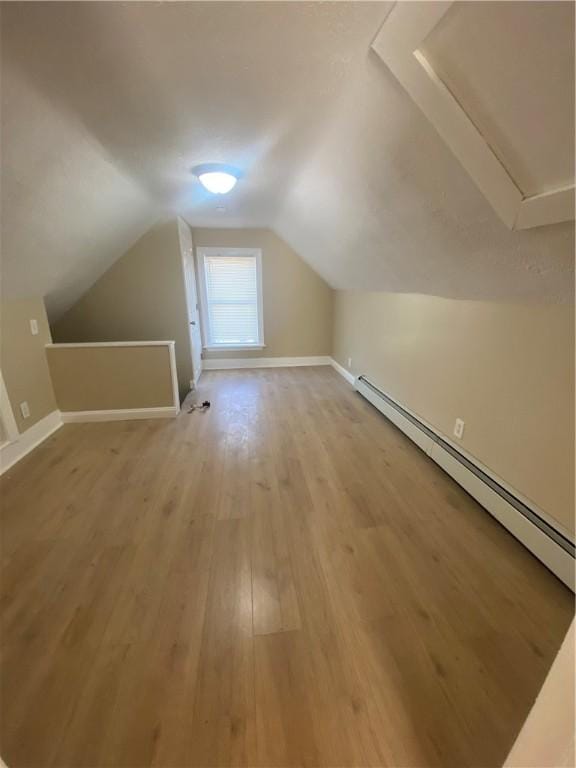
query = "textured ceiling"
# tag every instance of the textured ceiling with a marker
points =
(106, 106)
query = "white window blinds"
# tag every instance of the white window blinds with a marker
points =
(232, 287)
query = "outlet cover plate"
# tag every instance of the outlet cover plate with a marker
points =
(459, 428)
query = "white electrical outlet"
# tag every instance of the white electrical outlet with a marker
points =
(458, 428)
(349, 363)
(24, 410)
(33, 327)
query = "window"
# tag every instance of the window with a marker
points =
(231, 280)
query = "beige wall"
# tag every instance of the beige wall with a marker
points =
(110, 378)
(140, 298)
(297, 303)
(506, 369)
(23, 359)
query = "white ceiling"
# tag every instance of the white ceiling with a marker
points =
(106, 106)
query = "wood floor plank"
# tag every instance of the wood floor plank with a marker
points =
(282, 580)
(285, 716)
(222, 726)
(275, 601)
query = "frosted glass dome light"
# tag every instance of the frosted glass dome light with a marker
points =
(216, 177)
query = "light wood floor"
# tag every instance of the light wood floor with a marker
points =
(283, 581)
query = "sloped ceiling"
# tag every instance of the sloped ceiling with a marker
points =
(106, 106)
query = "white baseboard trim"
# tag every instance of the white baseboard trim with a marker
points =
(15, 450)
(121, 414)
(560, 562)
(224, 364)
(534, 538)
(350, 378)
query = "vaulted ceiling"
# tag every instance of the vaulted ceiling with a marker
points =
(106, 107)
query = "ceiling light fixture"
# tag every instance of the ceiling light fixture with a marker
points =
(217, 178)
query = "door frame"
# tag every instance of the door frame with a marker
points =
(7, 415)
(188, 263)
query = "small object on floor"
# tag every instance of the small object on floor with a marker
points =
(204, 407)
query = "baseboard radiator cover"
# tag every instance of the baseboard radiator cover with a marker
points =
(528, 525)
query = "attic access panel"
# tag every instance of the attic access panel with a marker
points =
(496, 81)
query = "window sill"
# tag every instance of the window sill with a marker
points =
(237, 347)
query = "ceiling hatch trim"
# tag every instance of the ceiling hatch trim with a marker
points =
(397, 44)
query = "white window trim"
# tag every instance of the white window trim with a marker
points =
(213, 251)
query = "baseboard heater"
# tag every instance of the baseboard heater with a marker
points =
(528, 525)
